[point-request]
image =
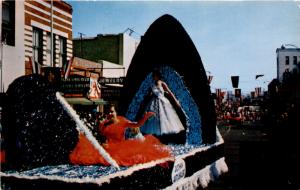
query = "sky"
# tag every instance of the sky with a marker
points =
(233, 38)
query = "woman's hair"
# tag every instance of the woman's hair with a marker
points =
(111, 105)
(157, 73)
(107, 108)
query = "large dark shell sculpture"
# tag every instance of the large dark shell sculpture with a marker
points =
(167, 46)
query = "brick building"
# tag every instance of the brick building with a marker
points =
(38, 32)
(26, 37)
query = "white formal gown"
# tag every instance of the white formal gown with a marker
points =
(165, 120)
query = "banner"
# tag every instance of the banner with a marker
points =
(235, 81)
(94, 92)
(257, 76)
(237, 92)
(218, 92)
(67, 68)
(257, 91)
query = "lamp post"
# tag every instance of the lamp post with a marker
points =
(51, 41)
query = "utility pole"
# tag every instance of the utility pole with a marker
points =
(81, 34)
(130, 31)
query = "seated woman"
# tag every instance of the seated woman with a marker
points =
(124, 152)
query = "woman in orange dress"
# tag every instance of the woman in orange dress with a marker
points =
(124, 152)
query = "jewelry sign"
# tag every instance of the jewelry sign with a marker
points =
(105, 80)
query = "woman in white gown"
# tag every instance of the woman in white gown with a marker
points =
(166, 121)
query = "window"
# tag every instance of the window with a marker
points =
(295, 71)
(62, 51)
(287, 60)
(48, 49)
(37, 45)
(8, 23)
(295, 60)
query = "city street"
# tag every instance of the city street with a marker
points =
(253, 161)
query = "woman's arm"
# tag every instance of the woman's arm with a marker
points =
(166, 88)
(131, 124)
(145, 117)
(103, 124)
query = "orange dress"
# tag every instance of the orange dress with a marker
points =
(124, 152)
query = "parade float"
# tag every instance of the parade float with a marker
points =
(40, 129)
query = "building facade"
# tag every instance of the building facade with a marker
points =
(12, 42)
(288, 60)
(112, 48)
(27, 29)
(38, 22)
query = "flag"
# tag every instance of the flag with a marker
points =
(32, 66)
(218, 92)
(209, 79)
(68, 68)
(257, 76)
(257, 91)
(223, 94)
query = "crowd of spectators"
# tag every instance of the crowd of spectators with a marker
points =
(238, 113)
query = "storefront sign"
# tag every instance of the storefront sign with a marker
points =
(119, 80)
(78, 85)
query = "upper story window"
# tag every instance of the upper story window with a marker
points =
(37, 45)
(8, 22)
(287, 60)
(62, 51)
(48, 49)
(295, 60)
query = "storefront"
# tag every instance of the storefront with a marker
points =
(80, 85)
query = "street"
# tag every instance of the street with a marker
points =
(249, 154)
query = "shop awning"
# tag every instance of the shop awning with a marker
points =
(85, 101)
